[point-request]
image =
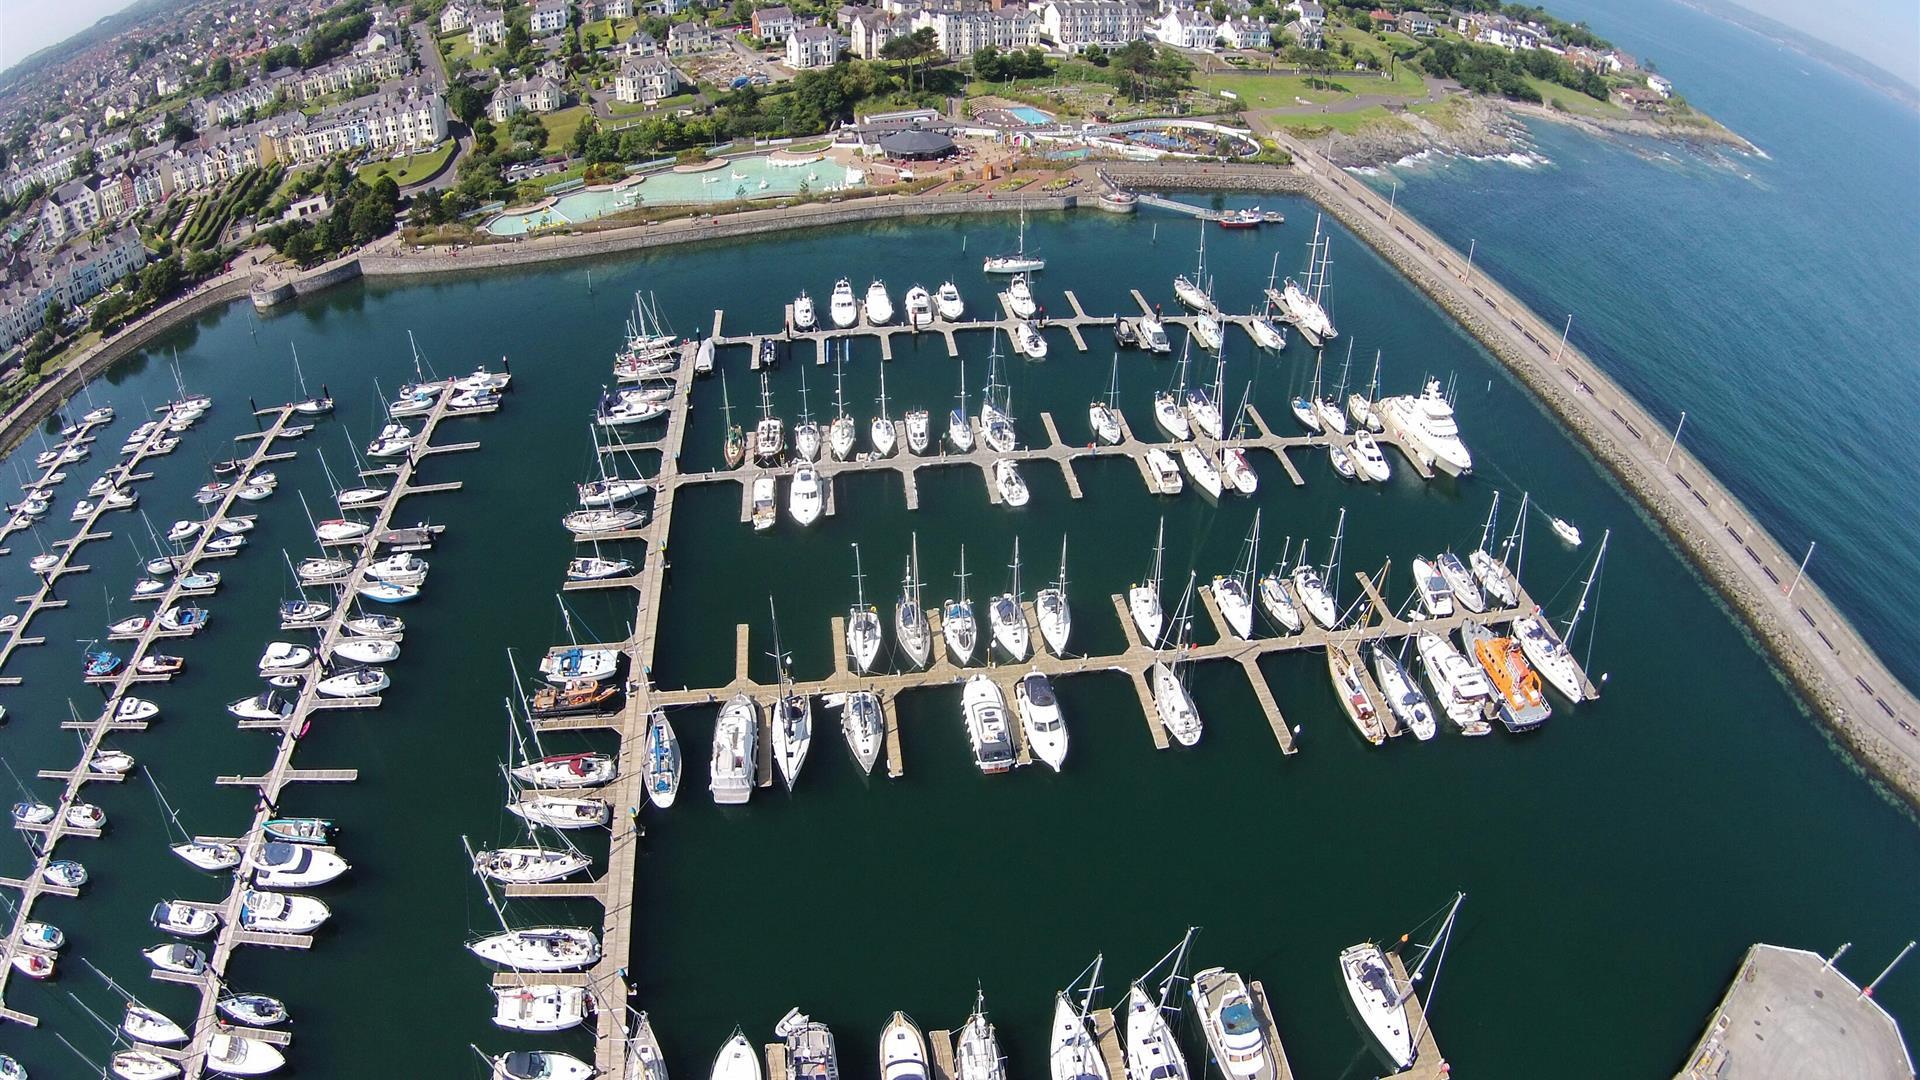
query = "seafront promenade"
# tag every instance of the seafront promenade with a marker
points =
(1870, 710)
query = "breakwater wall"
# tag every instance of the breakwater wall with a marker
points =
(1868, 710)
(51, 394)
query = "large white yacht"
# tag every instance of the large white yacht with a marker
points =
(1379, 999)
(735, 735)
(1236, 1034)
(1459, 686)
(1040, 718)
(804, 496)
(988, 732)
(903, 1051)
(842, 308)
(1425, 425)
(879, 304)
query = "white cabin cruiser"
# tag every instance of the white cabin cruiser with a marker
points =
(1040, 719)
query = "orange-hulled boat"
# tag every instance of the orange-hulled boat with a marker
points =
(1523, 706)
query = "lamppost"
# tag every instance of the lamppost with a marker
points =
(1674, 443)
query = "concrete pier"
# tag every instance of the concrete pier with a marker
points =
(1790, 1014)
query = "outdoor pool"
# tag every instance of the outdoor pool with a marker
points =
(739, 178)
(1027, 114)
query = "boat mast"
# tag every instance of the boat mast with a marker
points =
(859, 587)
(1344, 369)
(1061, 582)
(778, 654)
(962, 575)
(963, 386)
(1373, 388)
(1516, 544)
(298, 374)
(766, 399)
(1437, 949)
(1016, 571)
(1245, 573)
(883, 392)
(1573, 621)
(913, 574)
(157, 793)
(1113, 384)
(484, 888)
(1273, 274)
(839, 390)
(1158, 546)
(1332, 581)
(806, 417)
(1179, 958)
(1493, 514)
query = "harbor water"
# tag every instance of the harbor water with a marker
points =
(1617, 863)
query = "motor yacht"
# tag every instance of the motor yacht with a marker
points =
(985, 713)
(1040, 719)
(1436, 597)
(184, 920)
(919, 305)
(1426, 427)
(281, 913)
(879, 306)
(842, 309)
(1236, 1032)
(735, 735)
(1020, 299)
(948, 302)
(803, 316)
(295, 866)
(805, 496)
(1459, 687)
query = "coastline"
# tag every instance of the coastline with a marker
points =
(1869, 711)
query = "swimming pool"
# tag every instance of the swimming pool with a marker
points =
(740, 178)
(1027, 114)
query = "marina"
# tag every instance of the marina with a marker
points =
(642, 896)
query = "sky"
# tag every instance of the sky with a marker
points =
(27, 26)
(1886, 32)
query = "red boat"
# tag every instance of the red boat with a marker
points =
(1240, 219)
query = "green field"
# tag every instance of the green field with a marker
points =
(1574, 101)
(562, 123)
(1318, 123)
(410, 169)
(609, 31)
(1258, 91)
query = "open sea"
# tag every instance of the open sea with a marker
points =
(1617, 863)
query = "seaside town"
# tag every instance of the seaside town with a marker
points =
(149, 159)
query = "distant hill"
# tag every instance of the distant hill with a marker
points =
(138, 12)
(1859, 68)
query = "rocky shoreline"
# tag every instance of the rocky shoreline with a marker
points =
(1482, 127)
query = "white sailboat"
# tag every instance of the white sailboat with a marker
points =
(806, 433)
(1233, 593)
(910, 627)
(1305, 409)
(1360, 407)
(770, 434)
(737, 1060)
(1200, 467)
(1172, 701)
(882, 432)
(1072, 1053)
(1328, 408)
(663, 762)
(1191, 291)
(840, 431)
(1166, 405)
(792, 715)
(1153, 1052)
(863, 623)
(1104, 416)
(1235, 469)
(996, 410)
(1381, 999)
(1403, 695)
(1203, 404)
(1050, 604)
(957, 623)
(1317, 594)
(1020, 262)
(903, 1051)
(1143, 598)
(959, 422)
(1008, 619)
(1304, 301)
(865, 727)
(1546, 647)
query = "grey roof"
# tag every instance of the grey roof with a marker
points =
(916, 143)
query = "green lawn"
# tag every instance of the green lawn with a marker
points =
(622, 109)
(1319, 123)
(410, 169)
(1258, 91)
(561, 125)
(609, 31)
(1574, 101)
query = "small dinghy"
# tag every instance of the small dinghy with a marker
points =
(298, 830)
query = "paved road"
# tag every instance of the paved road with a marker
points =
(436, 67)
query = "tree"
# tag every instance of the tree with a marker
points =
(202, 263)
(177, 128)
(84, 162)
(107, 311)
(583, 136)
(56, 312)
(160, 280)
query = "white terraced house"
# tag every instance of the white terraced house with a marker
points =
(410, 118)
(455, 16)
(72, 276)
(812, 47)
(488, 26)
(1187, 28)
(550, 16)
(349, 72)
(1241, 32)
(1072, 25)
(539, 95)
(962, 33)
(774, 24)
(645, 81)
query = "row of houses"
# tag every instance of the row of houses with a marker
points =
(72, 276)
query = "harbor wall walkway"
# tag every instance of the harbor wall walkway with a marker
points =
(1868, 709)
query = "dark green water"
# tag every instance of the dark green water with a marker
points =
(1616, 864)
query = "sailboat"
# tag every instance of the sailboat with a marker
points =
(1381, 999)
(1143, 600)
(662, 767)
(1403, 695)
(976, 1053)
(1546, 648)
(1166, 405)
(792, 715)
(1261, 325)
(1009, 622)
(863, 623)
(308, 406)
(957, 623)
(909, 617)
(1104, 416)
(996, 420)
(1305, 409)
(1153, 1052)
(1304, 301)
(1072, 1053)
(1499, 582)
(1203, 405)
(1316, 594)
(806, 433)
(864, 726)
(199, 852)
(1191, 292)
(1050, 604)
(1235, 469)
(543, 948)
(1234, 593)
(1172, 701)
(840, 432)
(1328, 408)
(737, 1060)
(736, 736)
(1360, 406)
(769, 435)
(1020, 262)
(882, 431)
(959, 423)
